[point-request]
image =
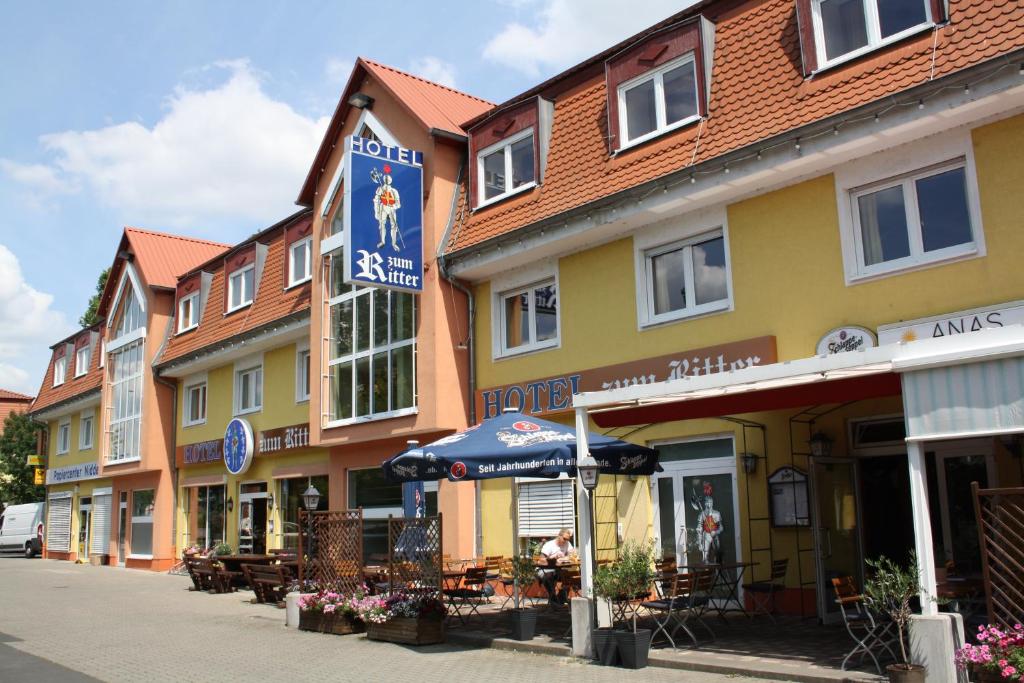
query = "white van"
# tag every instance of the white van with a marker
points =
(21, 529)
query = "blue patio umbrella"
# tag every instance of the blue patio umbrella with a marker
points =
(516, 445)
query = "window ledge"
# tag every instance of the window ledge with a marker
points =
(238, 308)
(511, 193)
(868, 49)
(371, 418)
(122, 461)
(966, 254)
(681, 316)
(527, 351)
(636, 142)
(198, 423)
(298, 283)
(187, 329)
(248, 412)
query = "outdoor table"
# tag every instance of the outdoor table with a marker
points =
(233, 563)
(730, 583)
(557, 565)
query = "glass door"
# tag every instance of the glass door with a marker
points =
(84, 524)
(951, 469)
(252, 519)
(836, 521)
(122, 525)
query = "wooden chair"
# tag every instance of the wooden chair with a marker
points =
(197, 579)
(684, 601)
(868, 634)
(762, 593)
(572, 581)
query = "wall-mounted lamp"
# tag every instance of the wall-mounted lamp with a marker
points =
(821, 445)
(749, 463)
(361, 100)
(270, 501)
(231, 504)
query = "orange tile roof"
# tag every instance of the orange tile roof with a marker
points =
(73, 387)
(7, 395)
(161, 257)
(758, 91)
(434, 105)
(272, 301)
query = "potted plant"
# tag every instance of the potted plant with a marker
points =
(606, 585)
(403, 618)
(327, 611)
(889, 592)
(523, 619)
(998, 656)
(634, 573)
(220, 549)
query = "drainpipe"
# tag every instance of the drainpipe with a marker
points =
(471, 390)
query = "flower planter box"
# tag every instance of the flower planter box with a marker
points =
(986, 676)
(407, 631)
(329, 623)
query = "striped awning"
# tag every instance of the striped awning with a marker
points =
(972, 399)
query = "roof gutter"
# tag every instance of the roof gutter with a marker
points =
(447, 135)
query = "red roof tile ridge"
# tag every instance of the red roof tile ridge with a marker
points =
(387, 67)
(184, 238)
(7, 394)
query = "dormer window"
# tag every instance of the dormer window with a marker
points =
(658, 101)
(82, 358)
(60, 368)
(300, 266)
(844, 29)
(240, 287)
(188, 312)
(506, 167)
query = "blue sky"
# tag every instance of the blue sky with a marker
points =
(201, 118)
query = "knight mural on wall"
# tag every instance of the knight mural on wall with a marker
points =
(386, 203)
(709, 523)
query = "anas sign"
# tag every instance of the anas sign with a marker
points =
(383, 215)
(844, 339)
(554, 394)
(68, 473)
(963, 322)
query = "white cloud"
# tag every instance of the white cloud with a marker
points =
(434, 69)
(337, 69)
(227, 151)
(28, 326)
(563, 32)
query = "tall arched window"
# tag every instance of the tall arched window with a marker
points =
(126, 366)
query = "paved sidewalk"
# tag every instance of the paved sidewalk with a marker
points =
(125, 625)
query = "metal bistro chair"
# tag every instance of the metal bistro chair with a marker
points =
(762, 593)
(866, 631)
(684, 599)
(469, 594)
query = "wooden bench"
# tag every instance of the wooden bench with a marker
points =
(211, 576)
(269, 582)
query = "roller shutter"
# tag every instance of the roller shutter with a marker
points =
(100, 539)
(58, 523)
(545, 507)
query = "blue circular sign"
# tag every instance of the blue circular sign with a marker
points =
(238, 446)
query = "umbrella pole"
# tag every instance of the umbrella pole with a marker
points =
(515, 541)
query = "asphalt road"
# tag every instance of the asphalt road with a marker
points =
(71, 623)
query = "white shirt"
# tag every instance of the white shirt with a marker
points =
(552, 549)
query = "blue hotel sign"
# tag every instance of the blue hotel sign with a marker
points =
(383, 215)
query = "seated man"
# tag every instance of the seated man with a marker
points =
(558, 548)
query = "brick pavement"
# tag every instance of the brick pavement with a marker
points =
(125, 625)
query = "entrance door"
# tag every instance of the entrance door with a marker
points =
(952, 466)
(252, 519)
(122, 527)
(696, 511)
(836, 523)
(84, 526)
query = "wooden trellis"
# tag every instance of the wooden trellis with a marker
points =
(1000, 516)
(414, 554)
(333, 554)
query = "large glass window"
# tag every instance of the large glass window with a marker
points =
(918, 218)
(371, 360)
(687, 278)
(291, 503)
(848, 27)
(208, 519)
(142, 522)
(126, 368)
(529, 317)
(369, 490)
(658, 100)
(506, 167)
(132, 316)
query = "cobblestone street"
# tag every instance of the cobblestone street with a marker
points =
(124, 625)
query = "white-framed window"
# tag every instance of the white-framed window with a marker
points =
(844, 29)
(86, 429)
(506, 167)
(64, 436)
(60, 369)
(910, 207)
(371, 351)
(240, 287)
(300, 261)
(658, 100)
(82, 358)
(687, 278)
(528, 317)
(194, 408)
(188, 312)
(248, 388)
(302, 373)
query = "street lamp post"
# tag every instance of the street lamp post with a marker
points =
(311, 498)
